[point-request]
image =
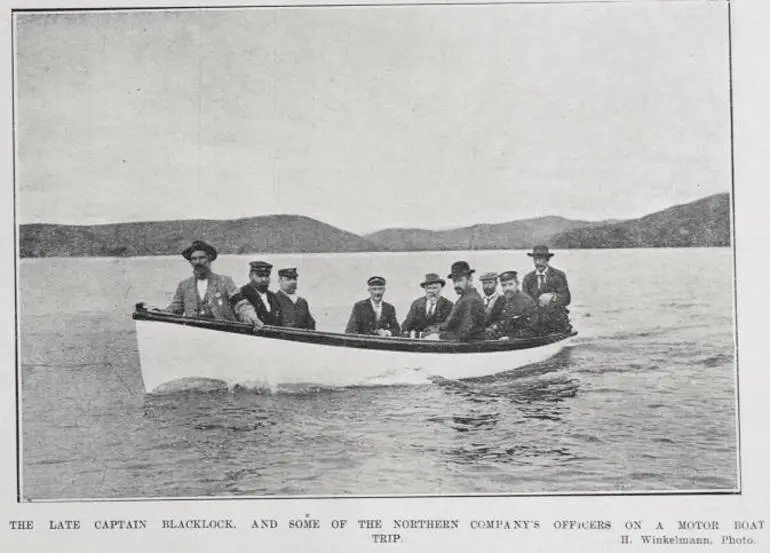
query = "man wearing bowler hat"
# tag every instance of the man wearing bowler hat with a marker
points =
(548, 286)
(519, 311)
(427, 312)
(256, 291)
(466, 321)
(295, 311)
(207, 294)
(373, 315)
(492, 298)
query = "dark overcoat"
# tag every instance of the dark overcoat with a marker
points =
(555, 283)
(295, 315)
(466, 321)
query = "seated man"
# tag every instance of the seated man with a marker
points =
(295, 311)
(466, 321)
(548, 287)
(519, 311)
(256, 291)
(373, 315)
(493, 299)
(427, 312)
(207, 294)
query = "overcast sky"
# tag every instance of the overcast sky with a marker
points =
(367, 118)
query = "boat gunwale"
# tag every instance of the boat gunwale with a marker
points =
(355, 341)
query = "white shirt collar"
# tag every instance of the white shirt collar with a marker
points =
(265, 300)
(202, 286)
(545, 271)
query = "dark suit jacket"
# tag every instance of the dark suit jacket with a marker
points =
(466, 321)
(362, 319)
(272, 317)
(555, 282)
(417, 318)
(295, 315)
(494, 309)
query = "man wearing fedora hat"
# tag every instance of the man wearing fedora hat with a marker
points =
(466, 321)
(519, 311)
(256, 291)
(432, 309)
(207, 294)
(548, 286)
(295, 311)
(373, 315)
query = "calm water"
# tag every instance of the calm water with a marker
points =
(645, 400)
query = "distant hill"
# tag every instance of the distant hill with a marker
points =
(502, 236)
(705, 222)
(268, 234)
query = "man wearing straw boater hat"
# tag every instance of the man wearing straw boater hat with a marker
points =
(432, 309)
(493, 299)
(374, 315)
(548, 286)
(207, 294)
(256, 291)
(466, 321)
(295, 311)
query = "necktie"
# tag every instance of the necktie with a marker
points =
(540, 281)
(431, 308)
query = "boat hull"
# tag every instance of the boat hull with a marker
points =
(171, 352)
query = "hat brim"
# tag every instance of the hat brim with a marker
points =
(210, 251)
(548, 255)
(464, 273)
(440, 281)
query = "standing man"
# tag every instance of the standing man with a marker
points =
(295, 311)
(429, 311)
(548, 287)
(493, 299)
(207, 294)
(519, 311)
(373, 315)
(466, 321)
(256, 291)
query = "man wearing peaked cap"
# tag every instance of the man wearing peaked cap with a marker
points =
(207, 294)
(493, 299)
(373, 315)
(429, 311)
(466, 320)
(256, 291)
(519, 311)
(548, 286)
(295, 311)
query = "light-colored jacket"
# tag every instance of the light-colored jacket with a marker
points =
(223, 300)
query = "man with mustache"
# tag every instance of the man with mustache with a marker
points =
(466, 321)
(295, 311)
(373, 315)
(492, 298)
(209, 295)
(429, 311)
(256, 291)
(548, 286)
(519, 311)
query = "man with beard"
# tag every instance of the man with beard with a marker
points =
(207, 294)
(429, 311)
(519, 311)
(466, 321)
(295, 311)
(493, 299)
(373, 315)
(548, 287)
(256, 291)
